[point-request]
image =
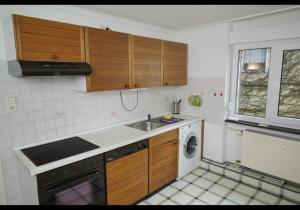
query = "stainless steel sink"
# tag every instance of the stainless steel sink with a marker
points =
(146, 125)
(150, 124)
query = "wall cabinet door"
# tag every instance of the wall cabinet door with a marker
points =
(146, 62)
(44, 40)
(175, 63)
(127, 179)
(163, 164)
(108, 54)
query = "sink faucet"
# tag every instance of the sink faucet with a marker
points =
(149, 117)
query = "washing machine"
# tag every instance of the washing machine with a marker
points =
(189, 148)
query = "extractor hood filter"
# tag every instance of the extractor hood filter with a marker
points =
(46, 68)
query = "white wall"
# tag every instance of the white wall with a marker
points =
(207, 50)
(2, 188)
(286, 17)
(2, 49)
(207, 67)
(49, 107)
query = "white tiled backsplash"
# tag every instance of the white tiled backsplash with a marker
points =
(212, 108)
(50, 107)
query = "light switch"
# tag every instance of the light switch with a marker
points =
(12, 104)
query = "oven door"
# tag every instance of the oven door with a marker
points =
(87, 189)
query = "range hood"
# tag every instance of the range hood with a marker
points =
(47, 68)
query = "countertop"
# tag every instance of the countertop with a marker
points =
(107, 139)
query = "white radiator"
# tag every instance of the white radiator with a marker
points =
(272, 154)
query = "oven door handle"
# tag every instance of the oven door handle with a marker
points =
(75, 180)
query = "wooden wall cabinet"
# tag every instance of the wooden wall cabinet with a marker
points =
(175, 63)
(147, 62)
(45, 40)
(163, 159)
(118, 60)
(127, 185)
(108, 53)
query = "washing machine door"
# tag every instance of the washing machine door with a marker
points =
(191, 145)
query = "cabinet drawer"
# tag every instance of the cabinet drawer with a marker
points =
(163, 138)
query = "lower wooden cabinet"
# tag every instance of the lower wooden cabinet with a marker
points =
(133, 177)
(163, 164)
(127, 179)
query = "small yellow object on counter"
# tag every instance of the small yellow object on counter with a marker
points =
(167, 116)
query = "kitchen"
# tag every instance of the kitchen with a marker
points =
(130, 117)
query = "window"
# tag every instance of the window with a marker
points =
(289, 98)
(265, 83)
(253, 80)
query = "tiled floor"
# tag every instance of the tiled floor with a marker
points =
(202, 187)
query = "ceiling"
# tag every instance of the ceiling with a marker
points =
(179, 17)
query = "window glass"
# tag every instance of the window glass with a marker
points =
(252, 82)
(289, 97)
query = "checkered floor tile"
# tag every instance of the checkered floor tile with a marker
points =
(203, 187)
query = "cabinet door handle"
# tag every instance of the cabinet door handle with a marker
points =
(135, 85)
(166, 83)
(54, 57)
(125, 86)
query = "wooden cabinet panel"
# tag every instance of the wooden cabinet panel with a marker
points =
(163, 164)
(118, 60)
(163, 138)
(45, 40)
(175, 63)
(108, 54)
(146, 62)
(127, 179)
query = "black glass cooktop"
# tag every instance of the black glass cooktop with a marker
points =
(46, 153)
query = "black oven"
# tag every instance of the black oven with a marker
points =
(79, 183)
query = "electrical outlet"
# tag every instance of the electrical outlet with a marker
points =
(12, 104)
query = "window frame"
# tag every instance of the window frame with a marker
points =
(276, 77)
(234, 83)
(273, 92)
